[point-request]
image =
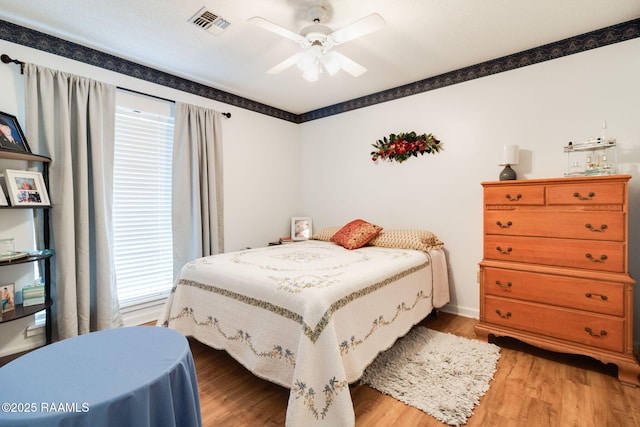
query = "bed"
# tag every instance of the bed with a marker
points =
(310, 315)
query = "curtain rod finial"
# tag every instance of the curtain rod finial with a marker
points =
(7, 59)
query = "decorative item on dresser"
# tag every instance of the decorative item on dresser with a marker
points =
(510, 156)
(555, 267)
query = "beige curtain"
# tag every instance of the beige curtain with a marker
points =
(197, 185)
(72, 120)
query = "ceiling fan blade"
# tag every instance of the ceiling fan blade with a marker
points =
(364, 26)
(285, 64)
(349, 65)
(277, 29)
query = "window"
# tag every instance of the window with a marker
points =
(143, 248)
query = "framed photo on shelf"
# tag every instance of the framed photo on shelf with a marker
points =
(3, 197)
(11, 136)
(26, 188)
(301, 228)
(7, 296)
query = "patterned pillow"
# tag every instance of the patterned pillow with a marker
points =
(420, 240)
(356, 234)
(326, 233)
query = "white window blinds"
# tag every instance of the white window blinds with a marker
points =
(142, 206)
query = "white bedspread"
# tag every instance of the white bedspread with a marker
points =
(310, 316)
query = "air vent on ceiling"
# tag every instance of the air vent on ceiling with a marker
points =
(209, 21)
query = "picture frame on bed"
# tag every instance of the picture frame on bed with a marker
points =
(11, 136)
(26, 188)
(301, 228)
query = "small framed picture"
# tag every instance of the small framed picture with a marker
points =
(11, 136)
(3, 197)
(8, 293)
(300, 228)
(26, 188)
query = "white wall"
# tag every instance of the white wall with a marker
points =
(261, 153)
(271, 176)
(541, 108)
(261, 169)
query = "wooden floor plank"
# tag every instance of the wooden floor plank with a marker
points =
(532, 387)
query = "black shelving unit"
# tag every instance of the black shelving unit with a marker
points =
(20, 311)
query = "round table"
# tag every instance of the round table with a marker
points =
(134, 376)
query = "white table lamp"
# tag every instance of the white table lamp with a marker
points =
(510, 156)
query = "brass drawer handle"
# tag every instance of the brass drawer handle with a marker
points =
(594, 335)
(499, 224)
(504, 286)
(513, 199)
(590, 196)
(602, 297)
(504, 316)
(602, 258)
(596, 230)
(507, 252)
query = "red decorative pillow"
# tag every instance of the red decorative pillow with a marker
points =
(356, 234)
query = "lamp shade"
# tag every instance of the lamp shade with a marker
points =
(510, 155)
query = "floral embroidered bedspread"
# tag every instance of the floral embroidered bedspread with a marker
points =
(310, 316)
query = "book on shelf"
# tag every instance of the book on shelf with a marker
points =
(33, 295)
(284, 240)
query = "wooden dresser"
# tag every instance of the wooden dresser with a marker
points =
(555, 267)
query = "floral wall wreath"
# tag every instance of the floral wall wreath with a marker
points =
(402, 146)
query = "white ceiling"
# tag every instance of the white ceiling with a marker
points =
(423, 38)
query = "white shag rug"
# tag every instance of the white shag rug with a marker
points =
(441, 374)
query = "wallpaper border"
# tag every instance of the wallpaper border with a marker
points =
(581, 43)
(592, 40)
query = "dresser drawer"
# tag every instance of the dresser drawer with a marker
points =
(514, 195)
(572, 225)
(586, 194)
(582, 294)
(586, 254)
(595, 330)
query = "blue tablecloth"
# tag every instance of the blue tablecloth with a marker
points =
(135, 376)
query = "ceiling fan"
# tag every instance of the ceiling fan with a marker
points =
(317, 40)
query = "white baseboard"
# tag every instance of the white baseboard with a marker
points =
(472, 313)
(24, 336)
(142, 313)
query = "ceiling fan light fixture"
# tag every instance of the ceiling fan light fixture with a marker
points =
(331, 63)
(317, 39)
(306, 61)
(312, 73)
(309, 63)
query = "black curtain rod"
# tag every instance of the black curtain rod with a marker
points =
(7, 60)
(146, 94)
(227, 115)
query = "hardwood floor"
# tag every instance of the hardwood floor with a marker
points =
(531, 387)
